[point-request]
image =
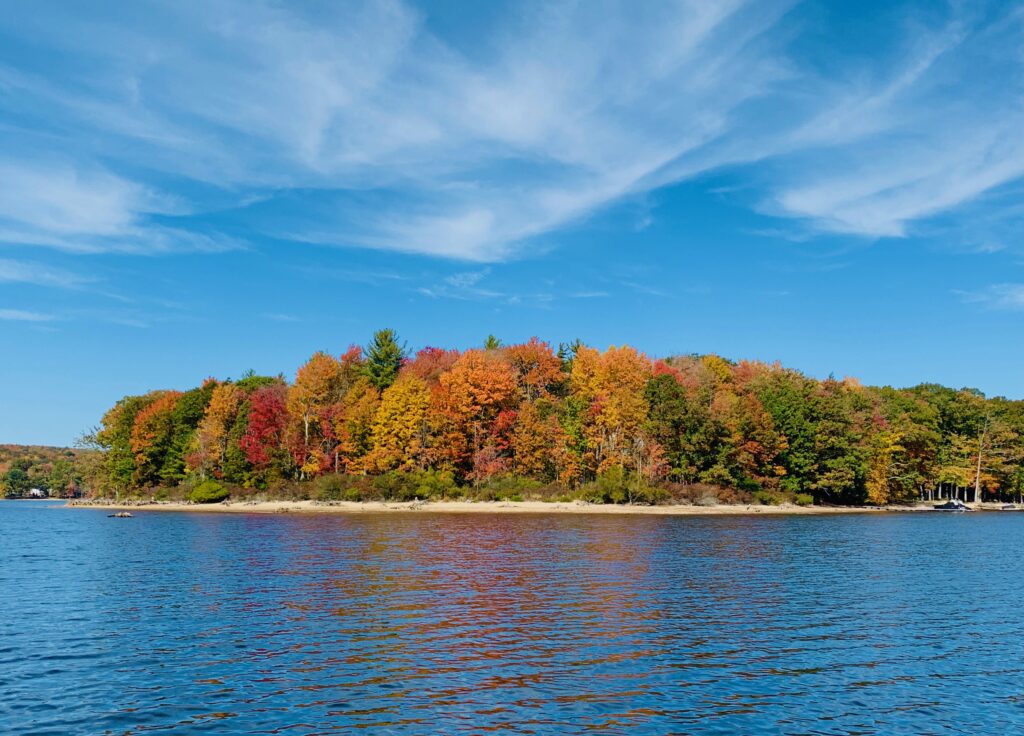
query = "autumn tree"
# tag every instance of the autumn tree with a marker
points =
(430, 363)
(888, 475)
(114, 438)
(188, 412)
(152, 437)
(263, 441)
(612, 385)
(467, 401)
(752, 444)
(537, 369)
(353, 425)
(311, 398)
(399, 430)
(904, 446)
(210, 444)
(540, 446)
(351, 369)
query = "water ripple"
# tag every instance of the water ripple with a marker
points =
(460, 624)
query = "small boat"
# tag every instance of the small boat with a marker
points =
(1009, 507)
(120, 515)
(953, 504)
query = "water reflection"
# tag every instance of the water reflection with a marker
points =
(424, 624)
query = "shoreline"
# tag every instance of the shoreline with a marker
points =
(495, 507)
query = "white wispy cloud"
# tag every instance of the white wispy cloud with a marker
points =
(576, 107)
(357, 125)
(934, 133)
(589, 294)
(373, 277)
(85, 209)
(464, 285)
(466, 279)
(996, 296)
(21, 315)
(280, 317)
(28, 272)
(470, 286)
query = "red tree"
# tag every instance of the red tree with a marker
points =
(268, 421)
(430, 363)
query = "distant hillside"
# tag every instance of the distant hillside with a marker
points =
(56, 471)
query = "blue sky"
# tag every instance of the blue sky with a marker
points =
(199, 188)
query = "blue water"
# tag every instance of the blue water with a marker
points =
(418, 623)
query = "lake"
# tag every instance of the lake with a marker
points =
(424, 623)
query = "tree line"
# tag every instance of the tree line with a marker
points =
(613, 425)
(27, 470)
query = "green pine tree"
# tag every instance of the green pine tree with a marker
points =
(384, 357)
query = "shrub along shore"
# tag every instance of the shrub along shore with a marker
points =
(613, 487)
(528, 423)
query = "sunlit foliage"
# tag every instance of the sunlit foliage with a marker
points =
(611, 425)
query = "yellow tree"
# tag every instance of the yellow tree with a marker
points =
(540, 445)
(613, 386)
(531, 443)
(719, 367)
(316, 388)
(884, 468)
(210, 441)
(353, 424)
(399, 430)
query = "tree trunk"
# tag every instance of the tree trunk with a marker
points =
(977, 479)
(977, 474)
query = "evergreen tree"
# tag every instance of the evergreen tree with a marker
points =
(384, 357)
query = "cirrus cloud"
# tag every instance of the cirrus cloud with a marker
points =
(361, 125)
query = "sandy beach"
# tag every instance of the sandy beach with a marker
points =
(491, 507)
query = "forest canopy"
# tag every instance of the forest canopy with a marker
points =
(612, 425)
